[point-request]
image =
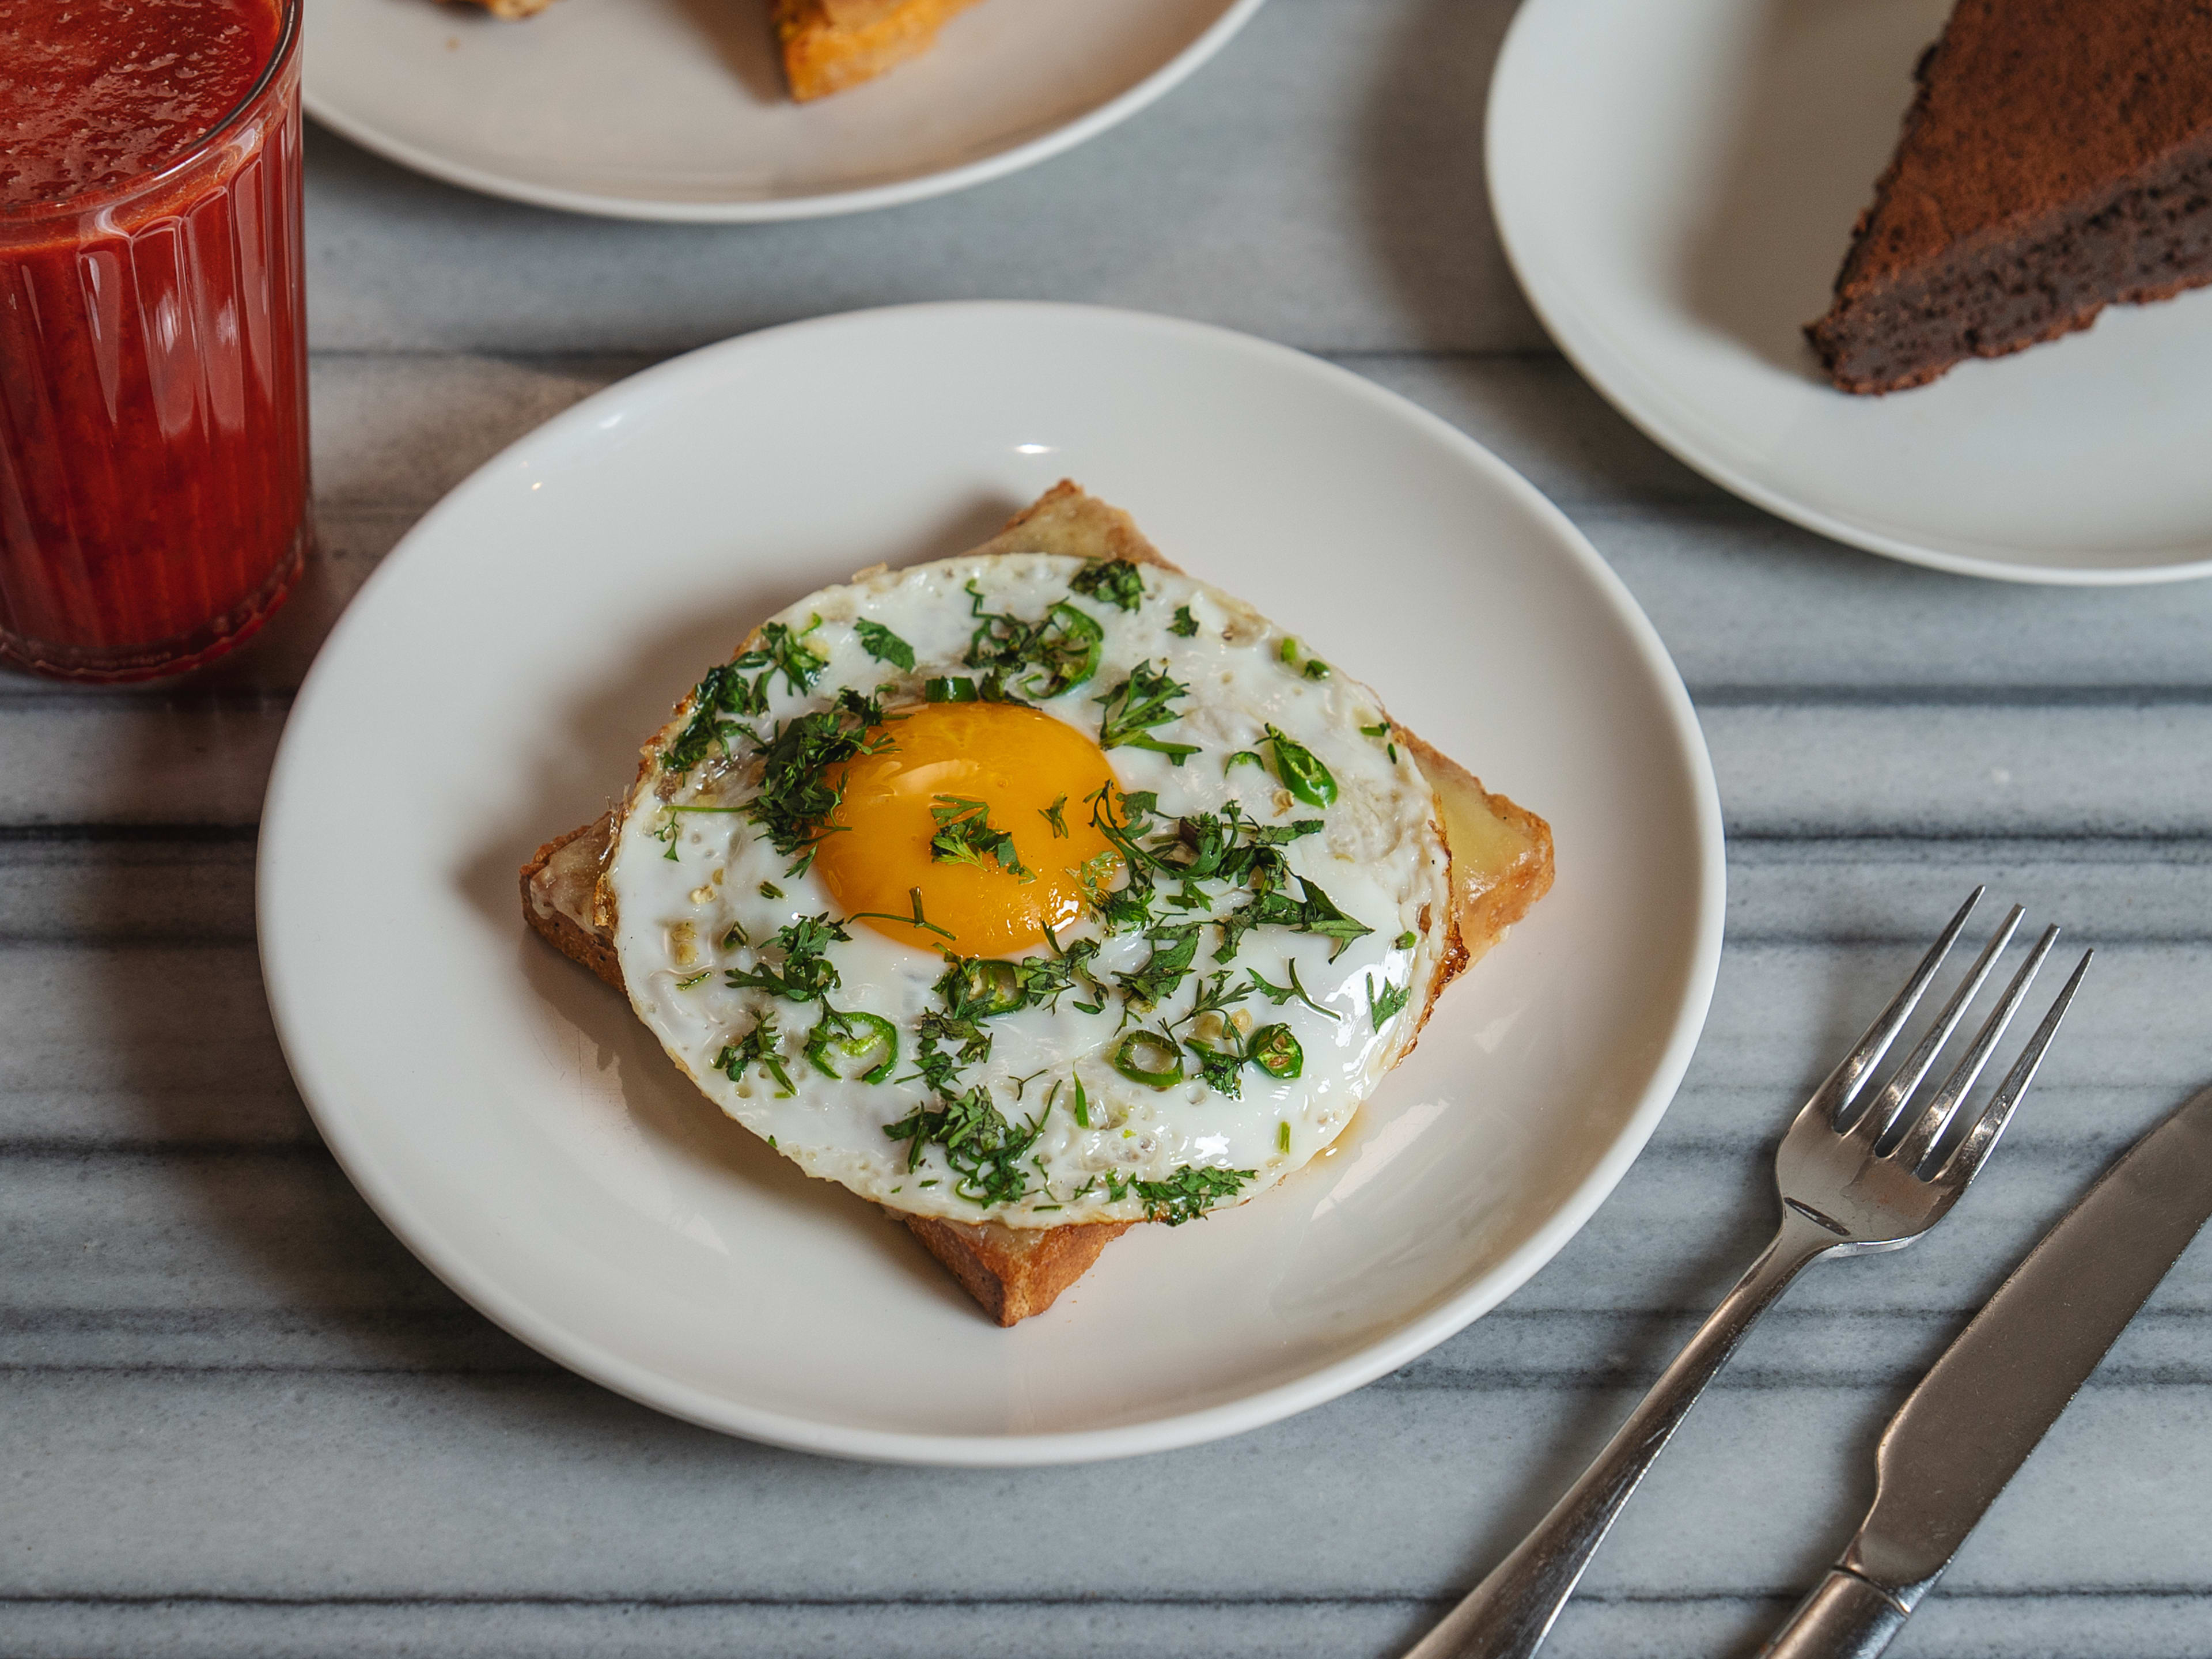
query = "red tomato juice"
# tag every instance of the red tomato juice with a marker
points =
(153, 399)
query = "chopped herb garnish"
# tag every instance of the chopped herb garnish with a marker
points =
(1138, 704)
(1149, 1057)
(1382, 1003)
(1185, 626)
(726, 693)
(1290, 651)
(1251, 755)
(965, 836)
(757, 1045)
(1406, 940)
(1061, 647)
(1052, 815)
(769, 890)
(1312, 912)
(806, 973)
(853, 1036)
(1082, 1107)
(949, 688)
(1188, 1194)
(735, 936)
(983, 988)
(1316, 669)
(1381, 729)
(686, 984)
(795, 793)
(1279, 994)
(1174, 950)
(917, 920)
(667, 836)
(984, 1151)
(879, 642)
(1301, 771)
(1114, 580)
(1283, 1136)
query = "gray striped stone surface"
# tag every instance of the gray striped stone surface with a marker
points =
(238, 1418)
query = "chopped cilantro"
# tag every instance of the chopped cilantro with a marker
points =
(1114, 580)
(1174, 950)
(1382, 1004)
(1138, 704)
(982, 1148)
(1061, 647)
(965, 836)
(756, 1046)
(879, 642)
(686, 984)
(1279, 994)
(1052, 815)
(769, 890)
(1188, 1194)
(1185, 626)
(917, 920)
(806, 973)
(795, 794)
(1406, 940)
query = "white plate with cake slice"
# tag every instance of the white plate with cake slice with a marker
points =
(1676, 185)
(519, 1127)
(680, 109)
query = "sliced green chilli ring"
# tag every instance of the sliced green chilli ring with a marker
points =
(949, 688)
(1275, 1051)
(874, 1032)
(1130, 1053)
(990, 986)
(1301, 770)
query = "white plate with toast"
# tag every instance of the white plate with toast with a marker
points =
(679, 109)
(515, 1122)
(1676, 185)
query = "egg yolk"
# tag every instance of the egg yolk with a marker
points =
(1029, 771)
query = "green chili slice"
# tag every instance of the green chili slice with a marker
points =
(949, 688)
(861, 1036)
(1129, 1058)
(1276, 1052)
(1301, 772)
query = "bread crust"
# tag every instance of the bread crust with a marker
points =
(830, 46)
(1500, 864)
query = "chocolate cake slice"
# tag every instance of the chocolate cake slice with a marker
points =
(2058, 159)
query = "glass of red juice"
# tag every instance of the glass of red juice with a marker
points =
(153, 350)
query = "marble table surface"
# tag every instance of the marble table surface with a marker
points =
(238, 1418)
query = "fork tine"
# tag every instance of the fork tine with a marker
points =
(1878, 1119)
(1918, 1141)
(1841, 1086)
(1966, 1163)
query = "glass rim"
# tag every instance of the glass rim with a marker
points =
(288, 40)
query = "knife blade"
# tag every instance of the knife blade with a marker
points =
(1985, 1404)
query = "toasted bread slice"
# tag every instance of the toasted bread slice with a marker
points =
(1500, 864)
(830, 46)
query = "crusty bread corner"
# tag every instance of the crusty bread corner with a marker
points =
(556, 896)
(1500, 861)
(1014, 1272)
(830, 46)
(1500, 864)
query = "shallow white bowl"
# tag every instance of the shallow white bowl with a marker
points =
(1676, 183)
(676, 109)
(514, 1123)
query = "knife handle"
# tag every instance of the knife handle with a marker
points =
(1845, 1618)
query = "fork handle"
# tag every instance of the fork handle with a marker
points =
(1509, 1614)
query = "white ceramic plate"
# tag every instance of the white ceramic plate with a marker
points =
(676, 109)
(1675, 184)
(515, 1124)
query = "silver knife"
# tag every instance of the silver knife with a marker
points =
(1983, 1406)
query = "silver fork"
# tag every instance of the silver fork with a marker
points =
(1853, 1179)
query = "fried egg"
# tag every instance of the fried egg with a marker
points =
(1030, 889)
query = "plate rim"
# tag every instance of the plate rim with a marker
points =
(1167, 1432)
(817, 205)
(1583, 346)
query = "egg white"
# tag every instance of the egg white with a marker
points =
(1380, 857)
